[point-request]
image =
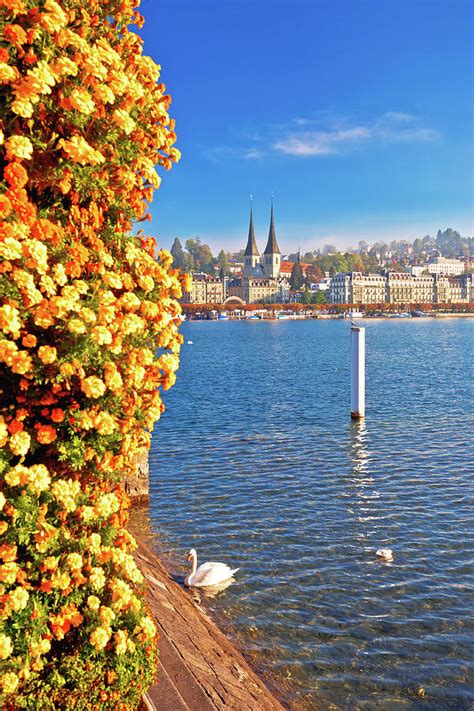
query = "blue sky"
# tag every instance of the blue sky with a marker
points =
(356, 114)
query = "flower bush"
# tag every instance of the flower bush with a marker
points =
(88, 335)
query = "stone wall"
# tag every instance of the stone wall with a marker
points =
(137, 487)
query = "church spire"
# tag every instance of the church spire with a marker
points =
(251, 249)
(272, 244)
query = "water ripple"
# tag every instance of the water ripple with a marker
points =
(256, 463)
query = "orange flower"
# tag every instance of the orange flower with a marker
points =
(45, 434)
(58, 415)
(15, 175)
(5, 207)
(29, 341)
(15, 34)
(22, 363)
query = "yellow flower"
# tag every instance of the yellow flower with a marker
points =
(74, 561)
(3, 501)
(17, 476)
(9, 682)
(65, 491)
(47, 354)
(93, 602)
(20, 443)
(23, 108)
(107, 505)
(124, 121)
(11, 248)
(6, 646)
(82, 101)
(75, 325)
(105, 423)
(80, 151)
(54, 18)
(8, 573)
(106, 615)
(59, 274)
(93, 386)
(99, 637)
(146, 629)
(101, 335)
(97, 578)
(18, 599)
(95, 542)
(120, 639)
(10, 321)
(41, 647)
(39, 478)
(19, 147)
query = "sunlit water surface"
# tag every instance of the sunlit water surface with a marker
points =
(257, 463)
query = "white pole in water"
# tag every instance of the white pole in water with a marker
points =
(357, 371)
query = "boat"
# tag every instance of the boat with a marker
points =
(224, 316)
(253, 318)
(283, 317)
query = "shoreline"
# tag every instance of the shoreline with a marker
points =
(199, 668)
(332, 317)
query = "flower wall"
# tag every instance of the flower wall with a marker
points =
(88, 335)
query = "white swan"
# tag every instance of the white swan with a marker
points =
(207, 573)
(385, 553)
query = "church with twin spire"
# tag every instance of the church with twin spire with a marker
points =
(261, 279)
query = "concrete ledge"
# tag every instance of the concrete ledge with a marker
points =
(199, 668)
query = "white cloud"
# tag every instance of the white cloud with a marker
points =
(323, 134)
(391, 127)
(321, 143)
(253, 154)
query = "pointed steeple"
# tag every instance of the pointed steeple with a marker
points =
(251, 249)
(272, 244)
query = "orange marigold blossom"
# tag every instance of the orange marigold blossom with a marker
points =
(15, 175)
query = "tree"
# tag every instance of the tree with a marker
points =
(177, 253)
(223, 262)
(297, 277)
(319, 297)
(305, 296)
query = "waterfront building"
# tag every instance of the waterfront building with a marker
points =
(205, 290)
(442, 265)
(401, 288)
(368, 288)
(357, 288)
(340, 291)
(423, 289)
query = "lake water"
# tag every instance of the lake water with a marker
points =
(256, 463)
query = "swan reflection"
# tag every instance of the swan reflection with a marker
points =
(211, 590)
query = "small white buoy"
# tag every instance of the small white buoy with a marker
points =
(190, 343)
(385, 554)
